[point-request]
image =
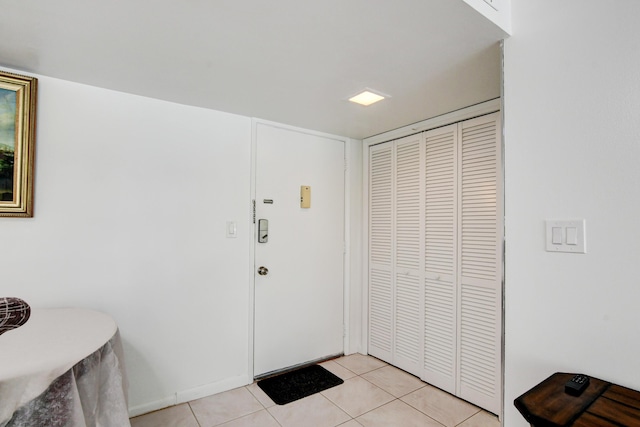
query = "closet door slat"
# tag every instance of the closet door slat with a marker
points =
(440, 258)
(480, 299)
(381, 211)
(409, 250)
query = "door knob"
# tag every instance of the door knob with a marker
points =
(263, 271)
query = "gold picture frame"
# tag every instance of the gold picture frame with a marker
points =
(17, 143)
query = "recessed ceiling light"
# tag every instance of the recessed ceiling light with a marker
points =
(367, 97)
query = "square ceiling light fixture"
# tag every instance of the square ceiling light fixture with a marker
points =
(367, 97)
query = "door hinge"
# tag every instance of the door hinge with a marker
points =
(253, 202)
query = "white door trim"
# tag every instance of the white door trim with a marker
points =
(462, 114)
(347, 227)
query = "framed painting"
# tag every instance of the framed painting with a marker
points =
(17, 143)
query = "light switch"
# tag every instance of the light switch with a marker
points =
(232, 229)
(566, 236)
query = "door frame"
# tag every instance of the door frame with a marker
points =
(346, 282)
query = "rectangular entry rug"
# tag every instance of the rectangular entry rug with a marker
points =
(294, 385)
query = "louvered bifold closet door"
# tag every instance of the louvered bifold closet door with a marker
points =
(440, 294)
(480, 298)
(381, 212)
(409, 254)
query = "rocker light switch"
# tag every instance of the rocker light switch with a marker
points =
(566, 236)
(232, 229)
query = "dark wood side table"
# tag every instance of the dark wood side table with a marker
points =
(602, 404)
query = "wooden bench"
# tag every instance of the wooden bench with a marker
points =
(602, 404)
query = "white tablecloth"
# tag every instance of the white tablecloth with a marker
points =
(64, 367)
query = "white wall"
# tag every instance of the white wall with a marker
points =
(131, 200)
(572, 136)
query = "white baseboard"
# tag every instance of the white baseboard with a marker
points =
(134, 411)
(191, 394)
(212, 388)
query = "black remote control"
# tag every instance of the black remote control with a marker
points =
(576, 385)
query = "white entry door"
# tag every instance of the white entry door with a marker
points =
(299, 268)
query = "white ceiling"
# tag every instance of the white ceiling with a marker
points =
(289, 61)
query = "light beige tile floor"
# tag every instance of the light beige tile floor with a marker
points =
(374, 394)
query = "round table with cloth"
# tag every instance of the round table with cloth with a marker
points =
(63, 367)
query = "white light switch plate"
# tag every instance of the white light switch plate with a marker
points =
(232, 230)
(571, 237)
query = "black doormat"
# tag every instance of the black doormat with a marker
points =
(294, 385)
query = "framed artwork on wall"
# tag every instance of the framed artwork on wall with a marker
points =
(17, 143)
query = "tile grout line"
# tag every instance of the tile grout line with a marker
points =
(468, 418)
(394, 397)
(409, 405)
(388, 384)
(261, 404)
(425, 384)
(271, 415)
(375, 385)
(194, 414)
